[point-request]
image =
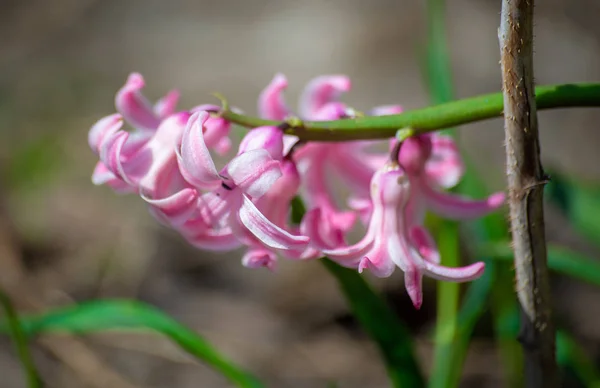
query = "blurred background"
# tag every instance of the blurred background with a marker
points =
(64, 240)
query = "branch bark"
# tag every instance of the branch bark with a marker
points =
(526, 180)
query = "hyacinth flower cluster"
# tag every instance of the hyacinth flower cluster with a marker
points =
(165, 156)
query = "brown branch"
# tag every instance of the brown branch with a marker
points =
(526, 181)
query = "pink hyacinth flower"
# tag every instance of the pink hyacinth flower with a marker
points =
(151, 169)
(415, 156)
(145, 119)
(244, 179)
(317, 102)
(392, 242)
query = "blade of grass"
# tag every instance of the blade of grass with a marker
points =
(124, 314)
(20, 342)
(439, 80)
(381, 324)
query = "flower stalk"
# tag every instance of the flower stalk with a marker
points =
(428, 119)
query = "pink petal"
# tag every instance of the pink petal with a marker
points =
(271, 104)
(385, 110)
(322, 234)
(195, 162)
(354, 167)
(267, 138)
(457, 274)
(331, 111)
(223, 146)
(288, 142)
(103, 176)
(104, 128)
(166, 106)
(445, 167)
(134, 107)
(425, 244)
(214, 206)
(363, 206)
(320, 91)
(254, 172)
(259, 258)
(378, 261)
(110, 155)
(267, 232)
(199, 235)
(414, 153)
(351, 253)
(413, 281)
(177, 208)
(459, 207)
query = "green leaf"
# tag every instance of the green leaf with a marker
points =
(19, 338)
(570, 355)
(298, 210)
(381, 324)
(580, 202)
(122, 314)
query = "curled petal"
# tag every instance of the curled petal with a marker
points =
(271, 104)
(111, 152)
(425, 244)
(378, 261)
(363, 206)
(134, 107)
(175, 209)
(320, 91)
(458, 207)
(166, 105)
(254, 172)
(104, 128)
(216, 129)
(288, 142)
(102, 176)
(352, 254)
(259, 258)
(264, 230)
(457, 274)
(195, 162)
(267, 138)
(201, 236)
(445, 166)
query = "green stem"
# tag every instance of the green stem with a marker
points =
(20, 342)
(428, 119)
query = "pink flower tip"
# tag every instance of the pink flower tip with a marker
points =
(279, 81)
(135, 81)
(340, 82)
(258, 258)
(496, 200)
